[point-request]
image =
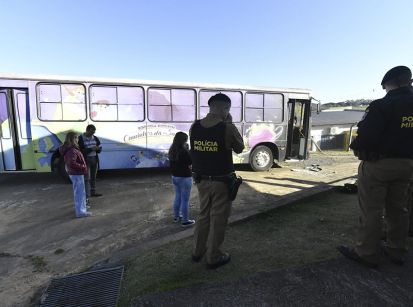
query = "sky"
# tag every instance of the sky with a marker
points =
(340, 50)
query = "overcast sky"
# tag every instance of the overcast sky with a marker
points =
(338, 49)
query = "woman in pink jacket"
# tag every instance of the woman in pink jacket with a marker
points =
(77, 169)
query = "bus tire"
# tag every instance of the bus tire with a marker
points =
(261, 159)
(61, 170)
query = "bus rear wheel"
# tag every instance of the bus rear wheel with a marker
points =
(261, 159)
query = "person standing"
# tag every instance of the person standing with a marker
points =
(76, 168)
(90, 146)
(384, 146)
(213, 139)
(180, 161)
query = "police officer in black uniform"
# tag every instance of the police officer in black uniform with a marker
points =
(213, 139)
(384, 145)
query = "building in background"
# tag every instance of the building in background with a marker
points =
(333, 130)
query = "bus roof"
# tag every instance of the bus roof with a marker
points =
(123, 81)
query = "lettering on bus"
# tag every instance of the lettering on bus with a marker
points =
(154, 130)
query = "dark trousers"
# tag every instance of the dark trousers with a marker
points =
(383, 185)
(411, 209)
(90, 179)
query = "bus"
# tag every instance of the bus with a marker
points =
(136, 120)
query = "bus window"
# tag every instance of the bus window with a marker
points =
(4, 123)
(116, 103)
(65, 102)
(24, 116)
(73, 102)
(130, 104)
(260, 107)
(273, 108)
(236, 103)
(171, 105)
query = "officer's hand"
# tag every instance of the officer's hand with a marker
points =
(356, 152)
(228, 119)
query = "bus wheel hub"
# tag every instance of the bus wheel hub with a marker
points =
(262, 158)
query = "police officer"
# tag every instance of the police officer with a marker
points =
(385, 147)
(213, 139)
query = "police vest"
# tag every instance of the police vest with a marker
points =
(397, 110)
(387, 129)
(209, 153)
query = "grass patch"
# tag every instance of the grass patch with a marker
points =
(303, 232)
(38, 262)
(59, 251)
(5, 254)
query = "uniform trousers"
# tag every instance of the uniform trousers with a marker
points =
(411, 209)
(383, 185)
(215, 208)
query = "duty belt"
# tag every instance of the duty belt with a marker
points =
(222, 178)
(216, 178)
(395, 156)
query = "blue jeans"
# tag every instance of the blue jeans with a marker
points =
(78, 182)
(183, 187)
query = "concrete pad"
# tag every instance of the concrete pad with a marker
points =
(40, 238)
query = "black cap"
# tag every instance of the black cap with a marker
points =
(219, 97)
(397, 72)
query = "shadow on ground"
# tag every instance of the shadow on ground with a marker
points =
(330, 283)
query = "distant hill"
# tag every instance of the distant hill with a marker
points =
(355, 104)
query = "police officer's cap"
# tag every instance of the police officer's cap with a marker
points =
(219, 97)
(396, 72)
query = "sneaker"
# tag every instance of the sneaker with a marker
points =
(351, 254)
(96, 194)
(222, 260)
(188, 223)
(177, 219)
(85, 215)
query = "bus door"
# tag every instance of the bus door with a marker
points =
(15, 133)
(298, 128)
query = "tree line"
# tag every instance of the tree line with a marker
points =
(357, 103)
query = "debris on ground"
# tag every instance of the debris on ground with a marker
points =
(350, 187)
(314, 168)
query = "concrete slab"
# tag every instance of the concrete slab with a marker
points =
(40, 238)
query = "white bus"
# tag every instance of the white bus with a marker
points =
(136, 120)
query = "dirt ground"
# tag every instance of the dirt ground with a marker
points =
(40, 238)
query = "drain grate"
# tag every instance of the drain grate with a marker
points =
(96, 288)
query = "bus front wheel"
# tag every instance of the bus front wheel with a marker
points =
(61, 169)
(261, 159)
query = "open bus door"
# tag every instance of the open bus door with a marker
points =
(298, 128)
(16, 151)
